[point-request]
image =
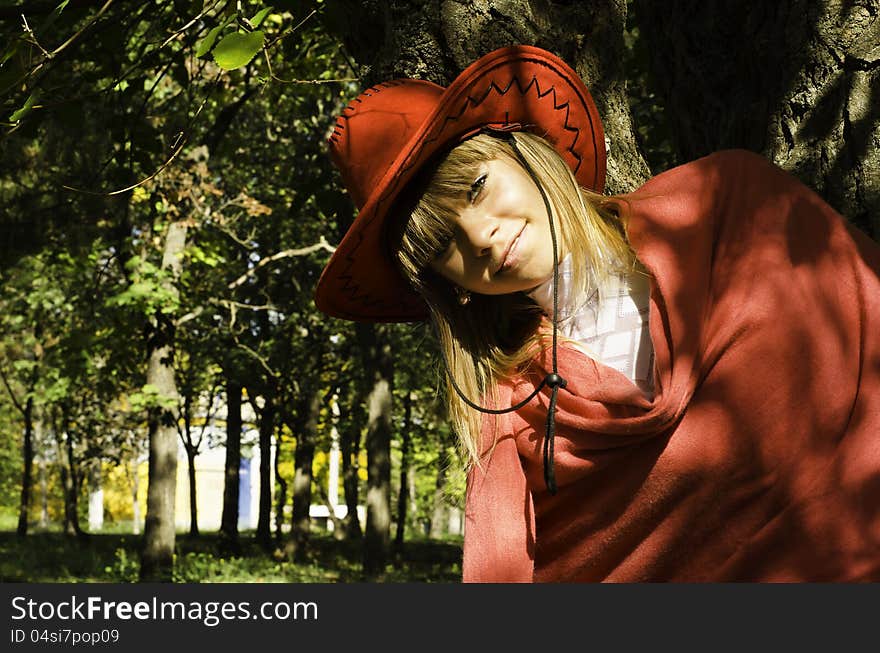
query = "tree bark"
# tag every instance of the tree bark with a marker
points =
(349, 446)
(229, 520)
(307, 423)
(27, 473)
(796, 80)
(436, 40)
(267, 430)
(439, 512)
(191, 476)
(378, 366)
(403, 491)
(70, 480)
(44, 494)
(135, 504)
(157, 557)
(281, 495)
(191, 453)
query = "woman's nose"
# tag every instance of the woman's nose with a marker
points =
(479, 233)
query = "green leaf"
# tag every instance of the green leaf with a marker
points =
(237, 49)
(257, 20)
(207, 43)
(18, 115)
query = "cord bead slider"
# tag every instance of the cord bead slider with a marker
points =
(554, 380)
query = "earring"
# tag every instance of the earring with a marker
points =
(464, 296)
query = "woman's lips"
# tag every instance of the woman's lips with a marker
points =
(510, 258)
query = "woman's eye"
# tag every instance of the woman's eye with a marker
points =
(476, 188)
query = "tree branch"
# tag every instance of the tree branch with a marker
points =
(11, 394)
(303, 251)
(321, 244)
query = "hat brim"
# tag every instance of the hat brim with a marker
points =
(517, 87)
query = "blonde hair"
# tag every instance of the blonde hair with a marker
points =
(496, 336)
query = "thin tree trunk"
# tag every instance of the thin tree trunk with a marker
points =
(302, 479)
(349, 446)
(157, 556)
(403, 493)
(440, 513)
(28, 465)
(191, 453)
(44, 494)
(229, 520)
(378, 367)
(75, 485)
(193, 499)
(267, 430)
(281, 495)
(69, 480)
(135, 504)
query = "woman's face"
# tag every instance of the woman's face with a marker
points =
(501, 239)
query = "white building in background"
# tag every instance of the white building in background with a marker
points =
(210, 470)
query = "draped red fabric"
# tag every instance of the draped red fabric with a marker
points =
(758, 459)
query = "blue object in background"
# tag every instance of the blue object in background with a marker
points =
(244, 494)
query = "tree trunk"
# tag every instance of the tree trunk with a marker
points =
(193, 504)
(191, 453)
(229, 520)
(349, 446)
(796, 80)
(267, 430)
(440, 513)
(44, 495)
(27, 454)
(281, 495)
(403, 492)
(157, 557)
(135, 504)
(378, 367)
(437, 40)
(72, 502)
(69, 478)
(307, 420)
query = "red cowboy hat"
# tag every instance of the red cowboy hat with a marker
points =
(390, 131)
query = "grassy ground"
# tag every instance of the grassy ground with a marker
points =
(53, 558)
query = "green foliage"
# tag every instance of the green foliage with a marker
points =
(237, 49)
(50, 557)
(148, 397)
(10, 453)
(151, 290)
(164, 120)
(28, 105)
(204, 46)
(125, 567)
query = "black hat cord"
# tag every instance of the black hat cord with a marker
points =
(553, 380)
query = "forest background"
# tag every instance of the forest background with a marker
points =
(167, 207)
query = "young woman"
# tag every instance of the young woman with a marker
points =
(681, 383)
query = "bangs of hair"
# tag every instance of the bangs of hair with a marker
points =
(442, 194)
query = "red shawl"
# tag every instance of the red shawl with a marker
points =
(759, 457)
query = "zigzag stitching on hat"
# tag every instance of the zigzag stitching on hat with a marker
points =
(472, 103)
